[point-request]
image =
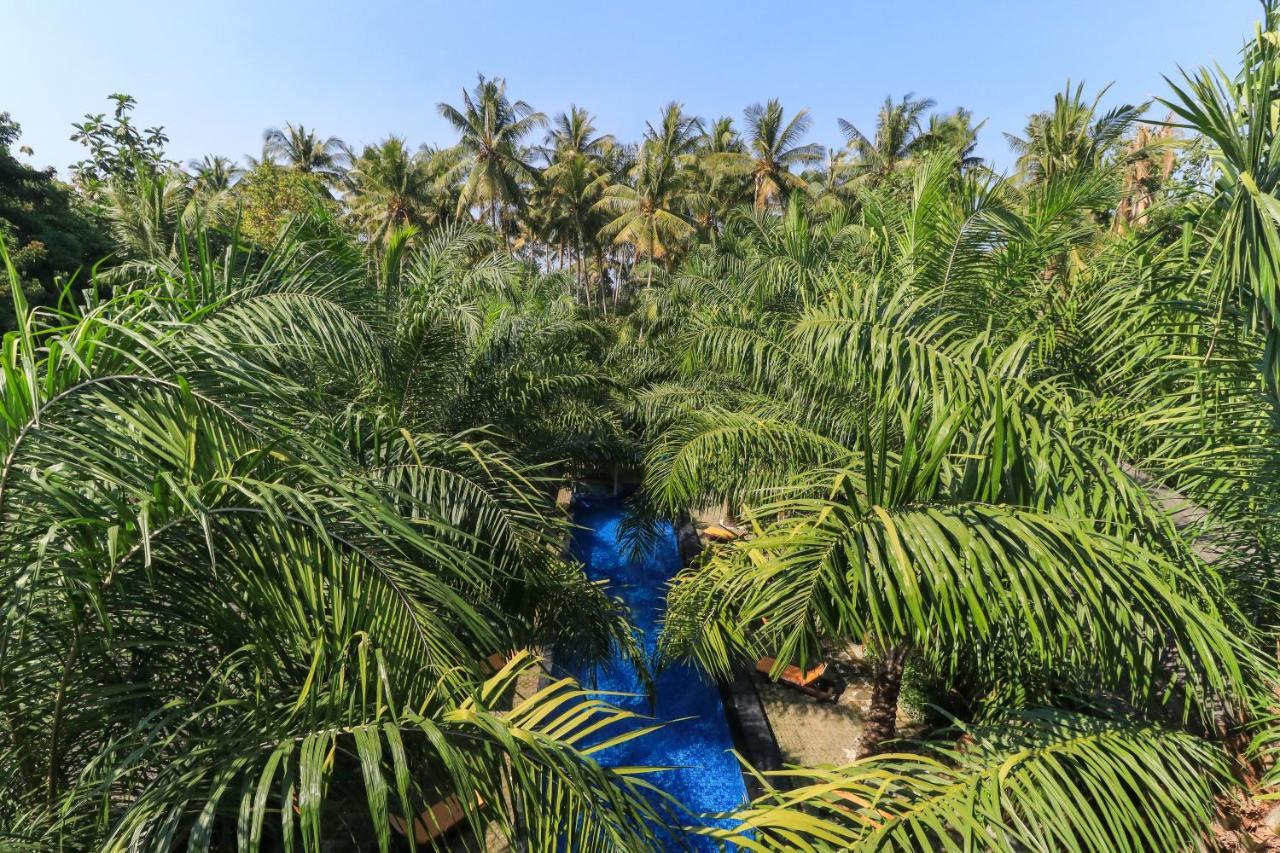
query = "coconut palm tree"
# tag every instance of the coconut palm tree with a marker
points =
(491, 127)
(576, 174)
(718, 180)
(1073, 137)
(649, 214)
(573, 134)
(574, 186)
(306, 151)
(391, 188)
(774, 149)
(214, 174)
(954, 132)
(899, 127)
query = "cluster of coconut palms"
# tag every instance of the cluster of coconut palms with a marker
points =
(279, 551)
(581, 200)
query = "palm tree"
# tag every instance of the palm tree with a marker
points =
(573, 134)
(1234, 115)
(281, 635)
(305, 151)
(574, 187)
(148, 214)
(718, 178)
(1072, 137)
(491, 128)
(576, 174)
(899, 127)
(477, 340)
(649, 214)
(829, 186)
(392, 188)
(774, 149)
(953, 132)
(722, 137)
(897, 448)
(214, 174)
(1031, 782)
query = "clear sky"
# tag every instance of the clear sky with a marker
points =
(215, 74)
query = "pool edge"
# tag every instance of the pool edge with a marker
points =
(749, 726)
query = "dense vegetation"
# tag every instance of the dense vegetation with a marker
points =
(279, 473)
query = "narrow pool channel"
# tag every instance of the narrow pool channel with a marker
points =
(708, 778)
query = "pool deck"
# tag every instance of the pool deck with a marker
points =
(813, 733)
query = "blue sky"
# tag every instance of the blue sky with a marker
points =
(215, 74)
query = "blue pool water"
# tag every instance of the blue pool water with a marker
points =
(708, 778)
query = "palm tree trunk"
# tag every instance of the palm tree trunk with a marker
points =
(882, 715)
(603, 266)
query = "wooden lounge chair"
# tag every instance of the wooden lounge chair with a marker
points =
(494, 663)
(811, 683)
(719, 534)
(437, 821)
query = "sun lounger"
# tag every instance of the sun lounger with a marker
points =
(437, 821)
(719, 534)
(811, 683)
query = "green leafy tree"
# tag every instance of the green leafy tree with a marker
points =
(46, 231)
(116, 148)
(268, 197)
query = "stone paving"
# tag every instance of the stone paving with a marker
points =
(811, 733)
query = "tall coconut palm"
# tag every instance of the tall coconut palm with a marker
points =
(718, 177)
(573, 181)
(574, 186)
(899, 126)
(214, 174)
(649, 214)
(306, 151)
(573, 134)
(390, 188)
(774, 149)
(491, 128)
(1072, 137)
(954, 132)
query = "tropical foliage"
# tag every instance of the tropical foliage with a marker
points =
(281, 560)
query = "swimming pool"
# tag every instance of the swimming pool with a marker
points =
(708, 778)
